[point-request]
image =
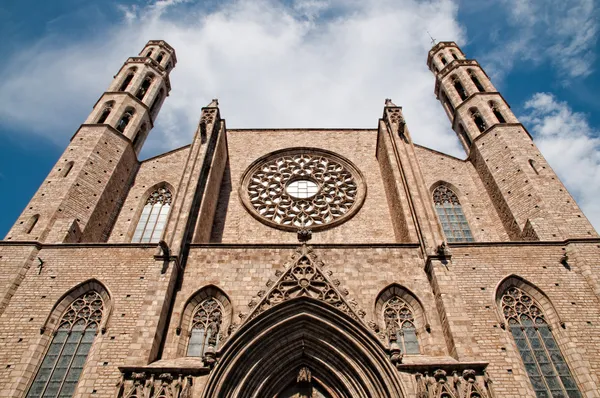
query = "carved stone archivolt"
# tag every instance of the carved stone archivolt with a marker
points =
(302, 188)
(304, 278)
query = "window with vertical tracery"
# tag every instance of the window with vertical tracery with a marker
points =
(448, 208)
(400, 323)
(154, 217)
(548, 372)
(206, 326)
(64, 361)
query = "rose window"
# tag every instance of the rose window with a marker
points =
(302, 188)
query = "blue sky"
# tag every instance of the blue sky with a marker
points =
(297, 63)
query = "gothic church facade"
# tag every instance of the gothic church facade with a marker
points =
(300, 262)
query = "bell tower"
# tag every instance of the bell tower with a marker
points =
(529, 197)
(81, 196)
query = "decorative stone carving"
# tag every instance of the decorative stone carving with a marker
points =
(332, 190)
(149, 385)
(466, 384)
(304, 375)
(304, 278)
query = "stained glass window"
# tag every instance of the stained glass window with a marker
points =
(544, 363)
(154, 217)
(448, 208)
(206, 324)
(64, 361)
(399, 321)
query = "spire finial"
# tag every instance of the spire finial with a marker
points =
(433, 41)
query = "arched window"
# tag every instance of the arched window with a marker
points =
(105, 112)
(464, 135)
(139, 136)
(160, 57)
(533, 166)
(459, 88)
(206, 325)
(400, 324)
(446, 101)
(66, 169)
(31, 223)
(496, 111)
(478, 120)
(451, 216)
(476, 81)
(127, 80)
(125, 119)
(454, 55)
(149, 53)
(548, 372)
(141, 93)
(154, 217)
(64, 361)
(157, 101)
(443, 59)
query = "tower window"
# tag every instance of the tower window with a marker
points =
(138, 137)
(478, 120)
(476, 81)
(64, 361)
(464, 135)
(400, 325)
(105, 112)
(448, 208)
(206, 325)
(547, 370)
(443, 59)
(149, 53)
(127, 80)
(154, 217)
(446, 101)
(30, 224)
(454, 55)
(533, 166)
(127, 116)
(459, 88)
(496, 111)
(141, 93)
(157, 101)
(160, 57)
(66, 169)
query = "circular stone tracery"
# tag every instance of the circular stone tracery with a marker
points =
(302, 188)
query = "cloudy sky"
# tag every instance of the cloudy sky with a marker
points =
(297, 63)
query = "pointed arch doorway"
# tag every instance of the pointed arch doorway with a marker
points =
(303, 348)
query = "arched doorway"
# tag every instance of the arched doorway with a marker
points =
(303, 346)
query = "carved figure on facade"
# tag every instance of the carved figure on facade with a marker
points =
(151, 385)
(453, 384)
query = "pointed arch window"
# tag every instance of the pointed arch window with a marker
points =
(476, 81)
(66, 356)
(460, 89)
(206, 327)
(400, 324)
(546, 367)
(105, 112)
(141, 93)
(478, 120)
(154, 217)
(448, 208)
(127, 79)
(125, 119)
(496, 111)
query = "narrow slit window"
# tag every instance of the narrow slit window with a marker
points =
(449, 210)
(545, 365)
(66, 169)
(31, 223)
(206, 327)
(154, 217)
(533, 165)
(497, 112)
(460, 89)
(400, 325)
(476, 81)
(61, 367)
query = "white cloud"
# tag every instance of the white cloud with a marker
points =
(562, 33)
(571, 146)
(310, 63)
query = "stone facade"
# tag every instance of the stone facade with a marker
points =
(201, 292)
